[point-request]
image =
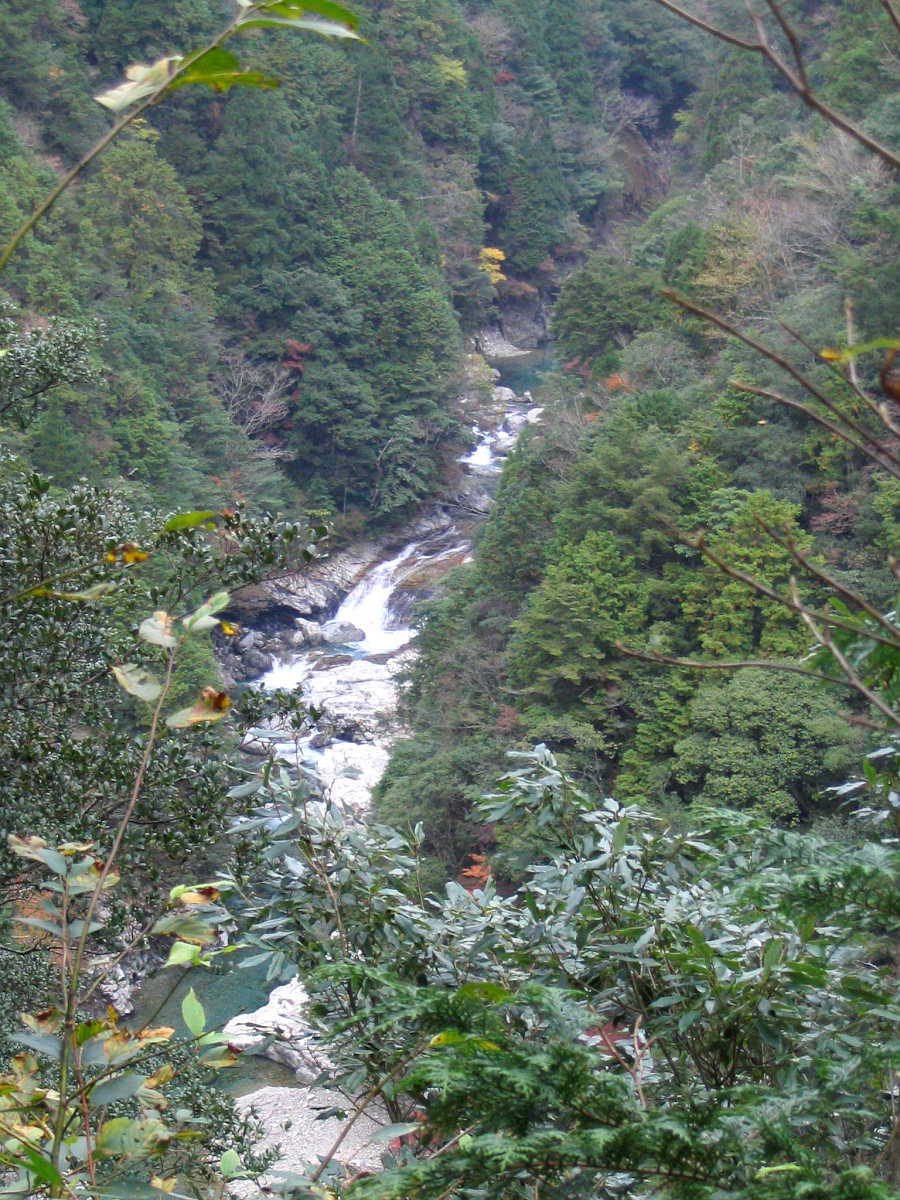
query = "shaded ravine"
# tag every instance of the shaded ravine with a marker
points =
(350, 678)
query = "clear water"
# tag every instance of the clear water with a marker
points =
(525, 372)
(222, 997)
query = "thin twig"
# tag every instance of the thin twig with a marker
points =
(851, 338)
(780, 361)
(763, 589)
(831, 426)
(70, 176)
(803, 560)
(877, 409)
(792, 39)
(735, 664)
(796, 81)
(362, 1105)
(891, 12)
(825, 639)
(137, 786)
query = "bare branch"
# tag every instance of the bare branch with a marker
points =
(793, 40)
(256, 397)
(794, 76)
(820, 573)
(762, 589)
(722, 34)
(798, 406)
(785, 365)
(878, 409)
(851, 338)
(824, 638)
(891, 12)
(734, 664)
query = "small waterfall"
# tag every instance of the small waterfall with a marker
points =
(367, 606)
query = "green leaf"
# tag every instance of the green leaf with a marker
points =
(43, 1043)
(201, 619)
(121, 1087)
(190, 926)
(220, 70)
(772, 953)
(193, 1014)
(318, 16)
(41, 1167)
(37, 923)
(230, 1165)
(620, 836)
(188, 520)
(491, 993)
(181, 953)
(138, 682)
(389, 1132)
(37, 849)
(124, 1136)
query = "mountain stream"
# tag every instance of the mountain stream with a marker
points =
(351, 679)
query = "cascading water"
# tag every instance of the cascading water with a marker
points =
(368, 606)
(350, 678)
(352, 682)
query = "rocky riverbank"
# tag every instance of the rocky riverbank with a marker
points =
(341, 636)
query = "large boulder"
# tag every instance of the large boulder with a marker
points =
(278, 1031)
(342, 633)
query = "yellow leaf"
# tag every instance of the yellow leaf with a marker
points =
(161, 1034)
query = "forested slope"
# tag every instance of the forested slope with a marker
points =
(288, 330)
(776, 222)
(688, 990)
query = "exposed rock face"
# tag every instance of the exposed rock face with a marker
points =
(124, 979)
(493, 343)
(279, 1031)
(360, 695)
(317, 592)
(525, 321)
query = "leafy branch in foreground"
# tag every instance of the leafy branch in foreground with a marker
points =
(699, 1011)
(61, 1139)
(211, 66)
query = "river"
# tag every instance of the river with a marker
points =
(351, 678)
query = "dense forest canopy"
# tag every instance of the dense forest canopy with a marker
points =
(264, 300)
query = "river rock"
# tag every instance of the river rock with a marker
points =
(504, 396)
(359, 693)
(288, 1116)
(493, 344)
(341, 633)
(306, 633)
(279, 1032)
(350, 771)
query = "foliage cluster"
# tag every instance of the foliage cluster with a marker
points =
(659, 428)
(696, 1009)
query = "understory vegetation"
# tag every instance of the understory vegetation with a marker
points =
(624, 921)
